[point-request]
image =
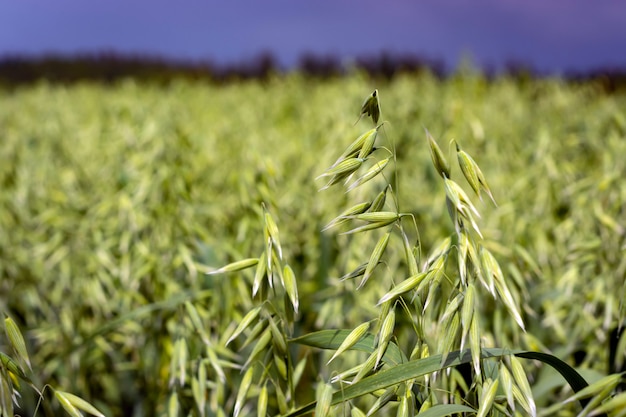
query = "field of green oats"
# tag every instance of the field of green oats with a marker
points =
(116, 200)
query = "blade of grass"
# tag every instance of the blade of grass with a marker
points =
(415, 369)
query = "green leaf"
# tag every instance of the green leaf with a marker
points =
(573, 378)
(399, 374)
(415, 369)
(332, 339)
(446, 410)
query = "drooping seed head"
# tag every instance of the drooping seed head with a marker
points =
(439, 160)
(371, 107)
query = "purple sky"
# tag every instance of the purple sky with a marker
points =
(549, 35)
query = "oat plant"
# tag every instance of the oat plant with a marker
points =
(14, 374)
(437, 293)
(428, 349)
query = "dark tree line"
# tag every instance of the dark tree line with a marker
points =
(108, 67)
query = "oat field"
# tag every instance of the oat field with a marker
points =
(438, 247)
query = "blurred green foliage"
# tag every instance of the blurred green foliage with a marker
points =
(115, 200)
